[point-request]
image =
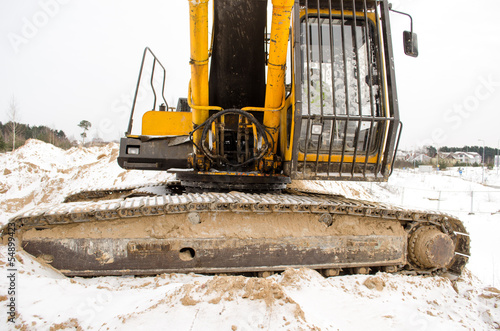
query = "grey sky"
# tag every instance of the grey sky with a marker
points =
(69, 60)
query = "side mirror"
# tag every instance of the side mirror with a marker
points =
(410, 43)
(410, 40)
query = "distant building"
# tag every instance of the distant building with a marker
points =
(403, 155)
(448, 158)
(421, 158)
(411, 157)
(467, 157)
(451, 159)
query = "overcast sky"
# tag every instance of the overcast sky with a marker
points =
(69, 60)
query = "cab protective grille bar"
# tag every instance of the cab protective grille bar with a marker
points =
(347, 119)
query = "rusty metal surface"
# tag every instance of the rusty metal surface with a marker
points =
(83, 257)
(290, 203)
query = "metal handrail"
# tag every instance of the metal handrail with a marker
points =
(155, 60)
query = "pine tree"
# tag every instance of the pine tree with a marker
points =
(3, 145)
(85, 125)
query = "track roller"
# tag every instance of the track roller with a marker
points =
(331, 272)
(361, 270)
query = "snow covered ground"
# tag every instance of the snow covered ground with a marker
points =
(39, 174)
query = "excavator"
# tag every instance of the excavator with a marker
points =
(281, 94)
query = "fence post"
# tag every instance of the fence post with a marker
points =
(403, 196)
(471, 203)
(439, 201)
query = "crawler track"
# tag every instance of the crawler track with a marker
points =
(290, 204)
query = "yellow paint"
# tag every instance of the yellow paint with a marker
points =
(277, 109)
(347, 13)
(196, 107)
(198, 10)
(166, 123)
(276, 69)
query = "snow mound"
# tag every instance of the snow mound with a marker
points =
(39, 174)
(42, 154)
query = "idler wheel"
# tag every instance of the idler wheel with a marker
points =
(430, 248)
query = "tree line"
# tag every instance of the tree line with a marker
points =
(23, 132)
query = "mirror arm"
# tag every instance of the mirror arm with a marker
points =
(400, 12)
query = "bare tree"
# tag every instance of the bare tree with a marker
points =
(13, 114)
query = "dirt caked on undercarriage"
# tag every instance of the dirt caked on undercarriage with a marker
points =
(240, 233)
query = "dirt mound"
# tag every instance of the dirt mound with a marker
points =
(231, 288)
(374, 283)
(296, 278)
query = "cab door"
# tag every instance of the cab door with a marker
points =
(346, 121)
